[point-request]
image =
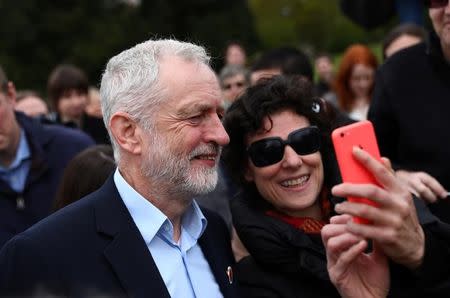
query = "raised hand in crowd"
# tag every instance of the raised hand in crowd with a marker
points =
(423, 185)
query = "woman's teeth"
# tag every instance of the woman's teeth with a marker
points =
(295, 182)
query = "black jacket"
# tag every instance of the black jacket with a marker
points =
(52, 147)
(93, 248)
(410, 112)
(286, 262)
(93, 126)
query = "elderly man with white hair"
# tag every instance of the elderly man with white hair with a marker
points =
(141, 234)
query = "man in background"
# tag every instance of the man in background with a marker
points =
(409, 111)
(32, 159)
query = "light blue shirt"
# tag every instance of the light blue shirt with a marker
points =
(183, 267)
(16, 174)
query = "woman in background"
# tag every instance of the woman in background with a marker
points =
(84, 174)
(355, 80)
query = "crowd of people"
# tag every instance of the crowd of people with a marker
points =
(172, 180)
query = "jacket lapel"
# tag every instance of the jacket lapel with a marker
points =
(127, 252)
(218, 259)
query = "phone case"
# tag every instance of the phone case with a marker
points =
(344, 138)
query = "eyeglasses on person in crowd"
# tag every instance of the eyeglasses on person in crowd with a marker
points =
(269, 151)
(436, 3)
(237, 84)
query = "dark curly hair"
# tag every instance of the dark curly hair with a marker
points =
(280, 93)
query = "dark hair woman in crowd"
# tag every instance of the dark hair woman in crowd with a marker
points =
(68, 93)
(84, 174)
(67, 90)
(285, 198)
(402, 36)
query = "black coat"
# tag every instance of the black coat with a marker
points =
(286, 262)
(410, 112)
(93, 126)
(93, 248)
(52, 147)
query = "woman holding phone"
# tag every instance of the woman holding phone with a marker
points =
(280, 156)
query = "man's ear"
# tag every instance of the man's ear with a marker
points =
(11, 93)
(126, 132)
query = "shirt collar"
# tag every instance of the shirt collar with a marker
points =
(22, 154)
(194, 221)
(149, 219)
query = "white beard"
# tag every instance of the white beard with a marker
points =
(175, 171)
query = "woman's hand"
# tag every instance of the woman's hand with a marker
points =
(394, 224)
(354, 273)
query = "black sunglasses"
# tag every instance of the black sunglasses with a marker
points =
(269, 151)
(436, 3)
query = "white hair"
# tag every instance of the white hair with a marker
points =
(130, 81)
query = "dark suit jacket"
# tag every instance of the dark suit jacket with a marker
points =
(52, 147)
(93, 248)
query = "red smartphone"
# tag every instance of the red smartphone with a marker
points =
(344, 138)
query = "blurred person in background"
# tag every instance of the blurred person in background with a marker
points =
(94, 106)
(68, 92)
(282, 60)
(401, 37)
(355, 81)
(410, 108)
(31, 104)
(325, 78)
(235, 54)
(325, 75)
(289, 61)
(32, 159)
(234, 79)
(84, 174)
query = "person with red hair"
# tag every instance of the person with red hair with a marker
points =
(355, 80)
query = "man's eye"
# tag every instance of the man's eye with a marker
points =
(195, 119)
(220, 115)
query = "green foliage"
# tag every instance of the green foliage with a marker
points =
(39, 34)
(311, 24)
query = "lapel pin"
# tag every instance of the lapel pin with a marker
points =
(230, 274)
(20, 203)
